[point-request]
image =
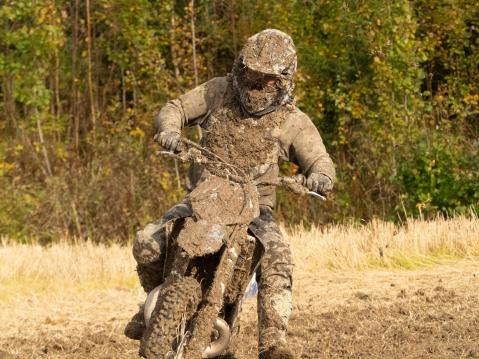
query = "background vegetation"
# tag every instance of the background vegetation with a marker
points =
(393, 87)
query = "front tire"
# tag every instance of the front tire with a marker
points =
(177, 302)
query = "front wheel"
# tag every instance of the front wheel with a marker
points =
(176, 304)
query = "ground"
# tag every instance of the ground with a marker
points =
(431, 312)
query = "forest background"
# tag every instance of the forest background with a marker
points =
(393, 86)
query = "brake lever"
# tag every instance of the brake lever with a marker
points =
(317, 195)
(176, 156)
(166, 153)
(301, 179)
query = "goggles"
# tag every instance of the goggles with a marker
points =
(258, 81)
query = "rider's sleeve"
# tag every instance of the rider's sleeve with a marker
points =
(301, 143)
(192, 107)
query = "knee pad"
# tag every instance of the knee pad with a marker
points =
(149, 243)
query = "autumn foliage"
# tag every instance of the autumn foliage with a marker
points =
(393, 87)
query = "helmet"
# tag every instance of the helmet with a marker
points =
(263, 72)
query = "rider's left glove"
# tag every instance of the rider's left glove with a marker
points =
(169, 140)
(319, 183)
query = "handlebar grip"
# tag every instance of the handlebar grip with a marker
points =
(297, 184)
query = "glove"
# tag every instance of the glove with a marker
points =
(320, 183)
(169, 140)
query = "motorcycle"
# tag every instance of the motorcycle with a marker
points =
(207, 260)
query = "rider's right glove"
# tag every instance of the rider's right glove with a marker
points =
(169, 140)
(320, 183)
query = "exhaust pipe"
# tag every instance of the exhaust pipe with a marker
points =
(150, 304)
(219, 345)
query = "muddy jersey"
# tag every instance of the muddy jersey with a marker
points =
(254, 144)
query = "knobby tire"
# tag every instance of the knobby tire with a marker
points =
(177, 302)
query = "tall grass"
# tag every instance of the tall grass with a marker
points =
(64, 265)
(384, 244)
(84, 266)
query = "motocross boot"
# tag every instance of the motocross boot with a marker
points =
(273, 345)
(278, 352)
(149, 279)
(136, 326)
(228, 356)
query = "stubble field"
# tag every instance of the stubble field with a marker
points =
(375, 291)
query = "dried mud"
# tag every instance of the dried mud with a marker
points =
(430, 325)
(405, 314)
(243, 141)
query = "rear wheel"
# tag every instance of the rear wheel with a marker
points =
(177, 302)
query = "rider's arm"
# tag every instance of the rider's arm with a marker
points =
(301, 143)
(191, 107)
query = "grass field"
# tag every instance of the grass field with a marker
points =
(372, 291)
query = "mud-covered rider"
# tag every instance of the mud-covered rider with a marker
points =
(249, 119)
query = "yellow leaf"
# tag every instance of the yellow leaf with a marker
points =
(137, 132)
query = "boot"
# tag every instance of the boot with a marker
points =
(136, 326)
(274, 307)
(273, 345)
(228, 355)
(277, 352)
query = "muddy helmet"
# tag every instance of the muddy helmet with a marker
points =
(264, 70)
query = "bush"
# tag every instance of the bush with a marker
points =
(439, 175)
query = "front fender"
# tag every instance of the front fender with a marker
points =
(200, 237)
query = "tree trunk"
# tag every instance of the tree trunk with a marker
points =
(7, 88)
(195, 67)
(9, 103)
(233, 26)
(90, 70)
(174, 60)
(193, 41)
(42, 143)
(76, 119)
(58, 104)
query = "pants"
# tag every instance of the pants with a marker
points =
(275, 282)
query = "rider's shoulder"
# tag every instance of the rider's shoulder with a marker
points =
(295, 117)
(218, 84)
(218, 88)
(213, 90)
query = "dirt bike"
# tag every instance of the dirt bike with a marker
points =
(208, 259)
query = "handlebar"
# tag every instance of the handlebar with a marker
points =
(198, 154)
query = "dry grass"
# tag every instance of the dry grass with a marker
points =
(416, 243)
(86, 266)
(64, 266)
(73, 300)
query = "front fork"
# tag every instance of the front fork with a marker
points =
(206, 318)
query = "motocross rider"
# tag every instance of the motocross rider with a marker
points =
(249, 119)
